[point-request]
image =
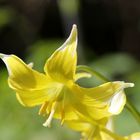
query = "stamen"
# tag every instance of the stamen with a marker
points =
(43, 108)
(62, 117)
(129, 85)
(62, 110)
(48, 121)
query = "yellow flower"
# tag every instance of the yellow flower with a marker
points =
(90, 130)
(56, 89)
(99, 130)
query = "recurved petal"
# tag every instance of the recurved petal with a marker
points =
(101, 101)
(61, 65)
(22, 76)
(32, 88)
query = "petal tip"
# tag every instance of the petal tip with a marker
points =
(2, 55)
(130, 84)
(125, 84)
(72, 38)
(73, 34)
(74, 27)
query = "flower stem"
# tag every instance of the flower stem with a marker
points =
(129, 106)
(92, 72)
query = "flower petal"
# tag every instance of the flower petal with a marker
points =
(82, 125)
(117, 103)
(135, 136)
(99, 102)
(32, 87)
(36, 97)
(22, 76)
(78, 125)
(87, 129)
(61, 65)
(114, 136)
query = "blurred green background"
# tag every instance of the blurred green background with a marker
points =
(108, 42)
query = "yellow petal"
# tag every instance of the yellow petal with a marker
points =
(92, 103)
(65, 112)
(135, 136)
(61, 65)
(99, 131)
(21, 76)
(78, 125)
(68, 107)
(87, 129)
(36, 97)
(101, 101)
(82, 125)
(32, 87)
(113, 136)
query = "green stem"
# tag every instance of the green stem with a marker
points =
(92, 72)
(129, 106)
